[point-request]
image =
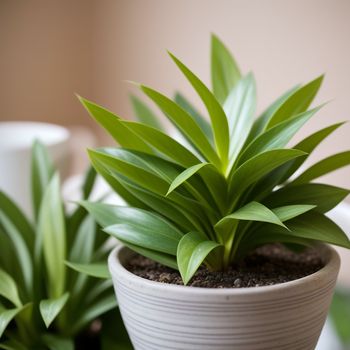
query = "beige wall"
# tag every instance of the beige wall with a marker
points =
(49, 49)
(45, 57)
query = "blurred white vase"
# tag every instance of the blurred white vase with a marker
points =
(16, 139)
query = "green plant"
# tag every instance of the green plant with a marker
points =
(49, 303)
(227, 189)
(340, 315)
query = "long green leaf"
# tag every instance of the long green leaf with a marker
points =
(297, 103)
(139, 220)
(18, 219)
(159, 238)
(152, 173)
(315, 226)
(89, 181)
(50, 308)
(257, 167)
(23, 255)
(288, 212)
(8, 288)
(83, 246)
(185, 123)
(164, 144)
(112, 124)
(164, 259)
(191, 252)
(325, 197)
(42, 171)
(192, 111)
(307, 145)
(144, 114)
(261, 122)
(323, 167)
(6, 316)
(216, 113)
(276, 137)
(252, 211)
(170, 210)
(240, 108)
(116, 185)
(184, 176)
(99, 270)
(225, 73)
(51, 227)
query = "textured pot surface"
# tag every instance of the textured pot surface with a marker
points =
(286, 316)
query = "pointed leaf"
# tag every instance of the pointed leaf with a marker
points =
(323, 167)
(83, 246)
(8, 288)
(116, 185)
(185, 175)
(257, 167)
(225, 73)
(252, 211)
(164, 144)
(297, 103)
(185, 123)
(216, 113)
(18, 219)
(52, 236)
(89, 181)
(99, 270)
(200, 120)
(23, 256)
(144, 114)
(325, 197)
(315, 226)
(261, 122)
(6, 316)
(112, 124)
(276, 137)
(308, 145)
(288, 212)
(191, 252)
(160, 239)
(240, 108)
(50, 308)
(108, 215)
(42, 170)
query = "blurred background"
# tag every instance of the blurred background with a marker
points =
(52, 49)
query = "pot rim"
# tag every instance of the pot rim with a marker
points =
(331, 267)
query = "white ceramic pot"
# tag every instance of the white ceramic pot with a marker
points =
(16, 140)
(286, 316)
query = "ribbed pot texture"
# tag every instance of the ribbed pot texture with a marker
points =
(287, 316)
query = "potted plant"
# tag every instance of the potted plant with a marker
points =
(54, 282)
(221, 210)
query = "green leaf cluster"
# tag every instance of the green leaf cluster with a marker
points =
(47, 292)
(230, 186)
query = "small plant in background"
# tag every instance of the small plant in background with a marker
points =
(46, 296)
(340, 315)
(228, 189)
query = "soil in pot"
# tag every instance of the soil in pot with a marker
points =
(267, 265)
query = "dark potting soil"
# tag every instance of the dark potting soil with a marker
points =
(267, 265)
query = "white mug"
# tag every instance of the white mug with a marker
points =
(16, 139)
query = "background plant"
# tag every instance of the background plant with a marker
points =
(49, 303)
(228, 189)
